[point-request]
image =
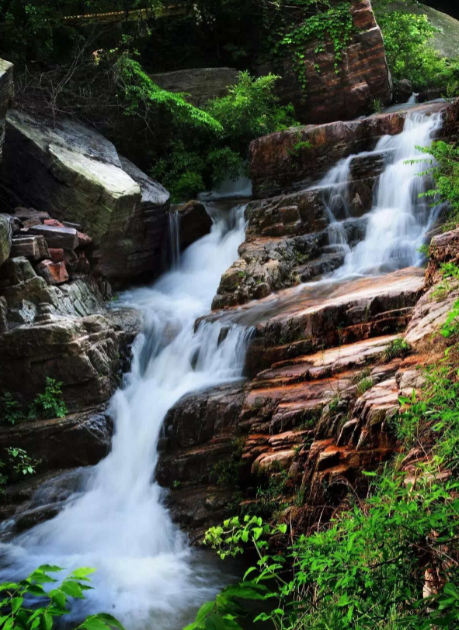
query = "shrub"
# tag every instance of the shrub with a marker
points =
(11, 411)
(49, 404)
(410, 54)
(26, 605)
(363, 386)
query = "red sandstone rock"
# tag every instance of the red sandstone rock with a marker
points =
(53, 223)
(52, 272)
(276, 167)
(56, 254)
(362, 78)
(83, 239)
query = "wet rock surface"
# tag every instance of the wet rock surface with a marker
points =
(277, 167)
(194, 222)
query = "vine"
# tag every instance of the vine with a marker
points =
(319, 20)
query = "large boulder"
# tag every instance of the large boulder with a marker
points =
(76, 175)
(194, 222)
(199, 84)
(329, 95)
(6, 96)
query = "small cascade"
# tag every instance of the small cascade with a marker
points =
(337, 204)
(399, 218)
(116, 521)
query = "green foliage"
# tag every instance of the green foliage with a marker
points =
(140, 95)
(397, 348)
(361, 573)
(20, 462)
(225, 472)
(49, 404)
(204, 157)
(291, 26)
(270, 495)
(410, 54)
(29, 605)
(444, 169)
(250, 110)
(15, 465)
(10, 409)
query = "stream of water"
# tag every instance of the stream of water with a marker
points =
(399, 218)
(146, 573)
(117, 522)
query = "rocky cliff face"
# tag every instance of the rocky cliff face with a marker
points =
(363, 76)
(296, 158)
(77, 176)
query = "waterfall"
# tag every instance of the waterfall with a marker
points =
(174, 239)
(399, 218)
(146, 573)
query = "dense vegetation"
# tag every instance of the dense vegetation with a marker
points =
(100, 72)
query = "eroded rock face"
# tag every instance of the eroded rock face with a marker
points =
(79, 439)
(87, 355)
(276, 166)
(76, 175)
(319, 405)
(329, 95)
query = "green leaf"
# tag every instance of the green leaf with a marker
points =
(73, 589)
(82, 573)
(16, 603)
(48, 621)
(205, 610)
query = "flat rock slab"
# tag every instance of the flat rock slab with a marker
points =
(307, 318)
(34, 247)
(57, 237)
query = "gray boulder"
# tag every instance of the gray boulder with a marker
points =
(76, 175)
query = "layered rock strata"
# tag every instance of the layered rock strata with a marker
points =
(298, 157)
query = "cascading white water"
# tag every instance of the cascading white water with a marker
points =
(399, 219)
(118, 524)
